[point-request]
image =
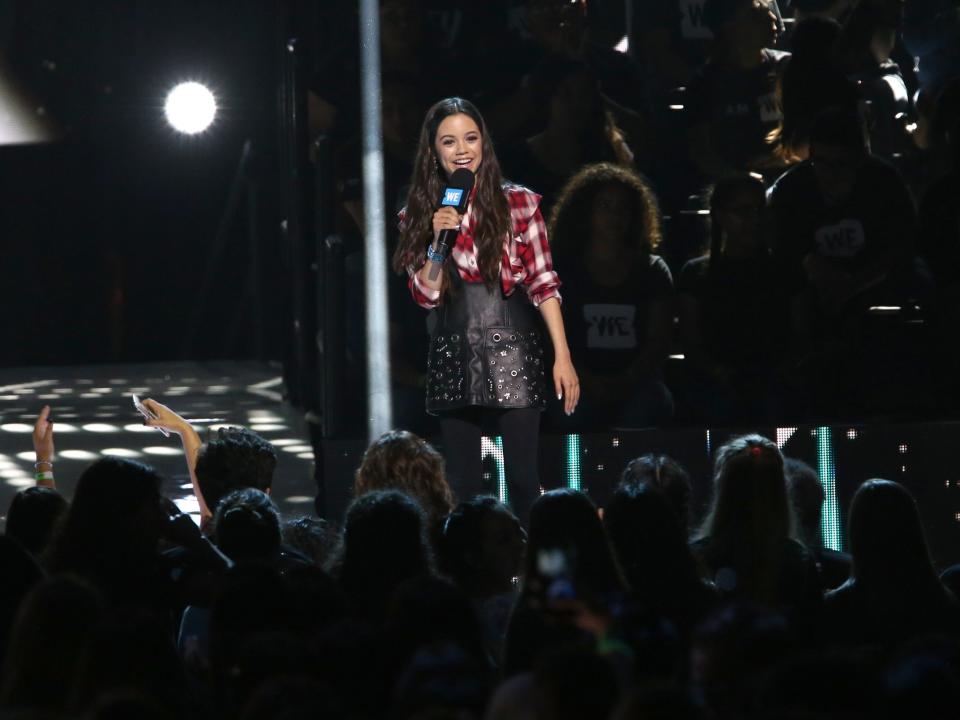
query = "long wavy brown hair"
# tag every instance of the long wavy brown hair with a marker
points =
(569, 224)
(490, 208)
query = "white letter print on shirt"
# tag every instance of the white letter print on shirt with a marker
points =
(844, 239)
(610, 327)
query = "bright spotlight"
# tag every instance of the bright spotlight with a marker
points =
(190, 108)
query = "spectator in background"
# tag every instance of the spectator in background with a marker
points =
(733, 652)
(483, 547)
(605, 231)
(399, 460)
(931, 31)
(33, 516)
(314, 538)
(555, 28)
(651, 546)
(863, 52)
(734, 315)
(746, 545)
(482, 550)
(938, 239)
(671, 39)
(233, 459)
(807, 497)
(668, 477)
(845, 228)
(579, 130)
(844, 219)
(563, 27)
(732, 105)
(405, 48)
(384, 543)
(111, 533)
(893, 593)
(247, 527)
(56, 621)
(568, 559)
(812, 81)
(938, 115)
(236, 458)
(20, 572)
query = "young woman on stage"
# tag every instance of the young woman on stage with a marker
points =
(486, 358)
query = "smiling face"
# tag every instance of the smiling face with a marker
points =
(458, 144)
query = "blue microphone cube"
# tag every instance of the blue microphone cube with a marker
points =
(452, 196)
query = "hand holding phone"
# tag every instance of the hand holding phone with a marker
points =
(142, 409)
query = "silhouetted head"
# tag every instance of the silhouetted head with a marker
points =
(400, 460)
(247, 526)
(737, 207)
(567, 520)
(649, 542)
(750, 503)
(384, 543)
(33, 515)
(887, 540)
(234, 458)
(838, 148)
(750, 24)
(115, 510)
(482, 546)
(665, 475)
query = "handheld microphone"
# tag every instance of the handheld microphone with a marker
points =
(455, 194)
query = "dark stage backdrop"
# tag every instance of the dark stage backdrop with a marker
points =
(107, 231)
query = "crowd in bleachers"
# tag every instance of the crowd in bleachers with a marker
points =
(115, 604)
(752, 209)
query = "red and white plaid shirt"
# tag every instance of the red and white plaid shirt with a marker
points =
(526, 254)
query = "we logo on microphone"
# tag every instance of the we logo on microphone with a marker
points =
(452, 196)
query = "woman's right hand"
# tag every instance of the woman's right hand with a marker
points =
(446, 218)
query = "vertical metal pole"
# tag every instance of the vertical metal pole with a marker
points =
(379, 418)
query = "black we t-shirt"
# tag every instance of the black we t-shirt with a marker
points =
(740, 106)
(608, 325)
(875, 222)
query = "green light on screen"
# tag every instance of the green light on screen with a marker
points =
(493, 447)
(572, 443)
(830, 521)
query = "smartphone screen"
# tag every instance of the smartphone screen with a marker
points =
(142, 409)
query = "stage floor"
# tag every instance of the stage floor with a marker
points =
(94, 416)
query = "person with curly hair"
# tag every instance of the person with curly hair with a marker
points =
(606, 229)
(400, 460)
(485, 359)
(232, 458)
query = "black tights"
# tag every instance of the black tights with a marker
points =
(519, 427)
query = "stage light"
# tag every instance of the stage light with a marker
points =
(161, 450)
(78, 455)
(121, 452)
(190, 108)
